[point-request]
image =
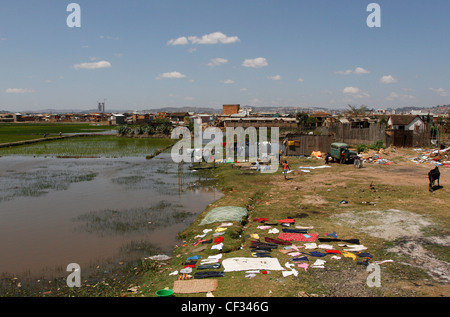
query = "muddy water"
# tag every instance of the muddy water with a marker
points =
(87, 211)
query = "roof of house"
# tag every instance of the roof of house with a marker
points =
(320, 114)
(402, 119)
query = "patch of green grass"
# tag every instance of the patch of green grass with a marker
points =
(102, 146)
(13, 132)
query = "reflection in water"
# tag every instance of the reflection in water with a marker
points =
(88, 210)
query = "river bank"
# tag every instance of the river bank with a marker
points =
(368, 204)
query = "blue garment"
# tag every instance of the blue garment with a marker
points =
(314, 253)
(195, 257)
(303, 258)
(334, 234)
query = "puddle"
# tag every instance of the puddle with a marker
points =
(59, 211)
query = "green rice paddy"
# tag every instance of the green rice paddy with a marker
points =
(13, 132)
(91, 146)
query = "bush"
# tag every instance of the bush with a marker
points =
(375, 146)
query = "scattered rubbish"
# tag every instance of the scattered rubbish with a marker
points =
(343, 202)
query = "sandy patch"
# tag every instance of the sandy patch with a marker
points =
(406, 229)
(438, 269)
(386, 224)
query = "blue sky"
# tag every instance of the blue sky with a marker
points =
(144, 54)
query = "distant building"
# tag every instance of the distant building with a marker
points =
(118, 119)
(101, 107)
(17, 117)
(178, 117)
(258, 122)
(405, 122)
(321, 117)
(142, 118)
(230, 109)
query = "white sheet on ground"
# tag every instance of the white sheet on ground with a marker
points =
(245, 264)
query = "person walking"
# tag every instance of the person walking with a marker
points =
(285, 169)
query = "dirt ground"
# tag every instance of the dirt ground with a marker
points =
(404, 228)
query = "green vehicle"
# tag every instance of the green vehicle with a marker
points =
(336, 150)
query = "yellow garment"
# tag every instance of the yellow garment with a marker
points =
(221, 229)
(254, 236)
(349, 255)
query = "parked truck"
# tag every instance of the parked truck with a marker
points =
(337, 149)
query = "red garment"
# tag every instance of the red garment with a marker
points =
(287, 220)
(261, 219)
(190, 265)
(333, 251)
(297, 237)
(277, 241)
(218, 240)
(285, 166)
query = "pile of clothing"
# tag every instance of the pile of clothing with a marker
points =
(303, 247)
(433, 157)
(198, 268)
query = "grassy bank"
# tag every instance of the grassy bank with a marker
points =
(388, 208)
(13, 132)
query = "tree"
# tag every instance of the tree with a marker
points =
(356, 111)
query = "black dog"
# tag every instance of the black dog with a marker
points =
(433, 176)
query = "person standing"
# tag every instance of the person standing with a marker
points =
(285, 169)
(361, 160)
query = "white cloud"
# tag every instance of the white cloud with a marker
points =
(355, 92)
(243, 89)
(360, 71)
(357, 71)
(388, 79)
(212, 38)
(188, 98)
(276, 77)
(440, 91)
(300, 80)
(3, 39)
(402, 97)
(179, 41)
(217, 61)
(19, 91)
(96, 65)
(228, 81)
(171, 75)
(255, 63)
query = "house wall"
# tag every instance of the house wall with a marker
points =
(230, 109)
(345, 133)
